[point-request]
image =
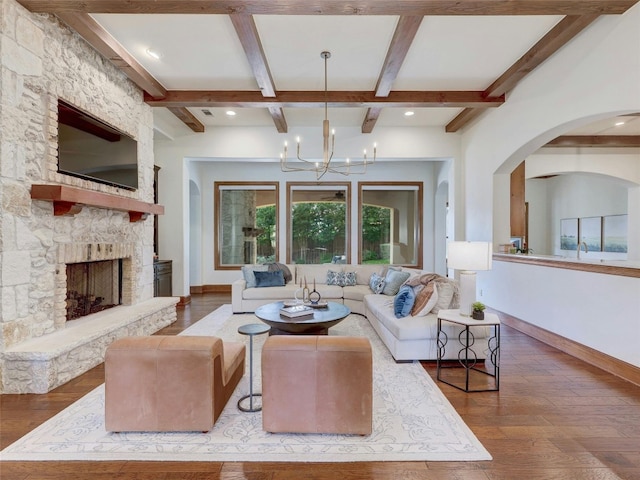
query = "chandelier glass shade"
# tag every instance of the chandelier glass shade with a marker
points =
(321, 167)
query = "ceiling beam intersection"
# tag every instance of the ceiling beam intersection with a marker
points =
(247, 32)
(403, 36)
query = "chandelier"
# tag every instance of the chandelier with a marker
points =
(348, 167)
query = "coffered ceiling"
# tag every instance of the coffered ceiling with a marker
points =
(447, 61)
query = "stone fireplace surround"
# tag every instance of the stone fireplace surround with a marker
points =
(42, 61)
(40, 364)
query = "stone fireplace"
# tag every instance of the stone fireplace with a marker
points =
(49, 220)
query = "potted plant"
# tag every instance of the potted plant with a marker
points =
(478, 310)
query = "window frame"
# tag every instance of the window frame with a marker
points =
(326, 187)
(418, 187)
(218, 187)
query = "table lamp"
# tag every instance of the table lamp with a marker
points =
(468, 257)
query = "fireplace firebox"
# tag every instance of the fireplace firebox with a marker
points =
(93, 287)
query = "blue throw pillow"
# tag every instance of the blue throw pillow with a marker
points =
(269, 279)
(403, 302)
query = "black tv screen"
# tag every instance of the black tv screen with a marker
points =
(89, 148)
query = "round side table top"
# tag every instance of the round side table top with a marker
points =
(253, 329)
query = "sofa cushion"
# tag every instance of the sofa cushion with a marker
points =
(314, 272)
(328, 292)
(356, 292)
(269, 279)
(248, 273)
(407, 328)
(270, 294)
(403, 301)
(393, 281)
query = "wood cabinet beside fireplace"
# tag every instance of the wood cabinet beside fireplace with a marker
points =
(162, 270)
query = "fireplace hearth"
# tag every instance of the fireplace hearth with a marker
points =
(93, 287)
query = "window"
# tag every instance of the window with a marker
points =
(318, 222)
(390, 221)
(246, 223)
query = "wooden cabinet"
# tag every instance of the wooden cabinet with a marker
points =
(162, 270)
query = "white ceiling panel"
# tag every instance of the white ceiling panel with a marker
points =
(293, 44)
(198, 52)
(468, 53)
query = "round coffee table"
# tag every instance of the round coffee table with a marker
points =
(323, 319)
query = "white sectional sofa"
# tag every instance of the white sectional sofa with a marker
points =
(407, 338)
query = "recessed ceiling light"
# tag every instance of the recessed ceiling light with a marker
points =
(231, 113)
(618, 124)
(153, 54)
(409, 113)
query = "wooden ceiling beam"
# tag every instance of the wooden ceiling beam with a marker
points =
(248, 34)
(595, 141)
(105, 44)
(554, 40)
(370, 119)
(336, 7)
(403, 36)
(316, 99)
(464, 118)
(188, 118)
(277, 114)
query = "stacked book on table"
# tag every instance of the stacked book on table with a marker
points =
(297, 312)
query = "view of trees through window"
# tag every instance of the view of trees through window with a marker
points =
(319, 223)
(376, 232)
(318, 229)
(318, 232)
(266, 240)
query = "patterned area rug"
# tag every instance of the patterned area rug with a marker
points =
(412, 420)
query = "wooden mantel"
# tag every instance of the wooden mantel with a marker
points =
(70, 200)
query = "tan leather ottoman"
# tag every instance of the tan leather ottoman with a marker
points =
(169, 383)
(317, 384)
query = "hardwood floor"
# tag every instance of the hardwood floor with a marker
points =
(555, 417)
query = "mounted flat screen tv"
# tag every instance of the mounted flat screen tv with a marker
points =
(89, 148)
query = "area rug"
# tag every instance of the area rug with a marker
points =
(412, 420)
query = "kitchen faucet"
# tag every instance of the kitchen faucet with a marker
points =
(586, 249)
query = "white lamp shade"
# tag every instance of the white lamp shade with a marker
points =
(469, 255)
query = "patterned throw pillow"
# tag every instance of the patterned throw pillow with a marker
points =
(349, 279)
(376, 283)
(332, 277)
(342, 279)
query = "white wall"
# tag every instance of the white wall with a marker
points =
(597, 75)
(250, 153)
